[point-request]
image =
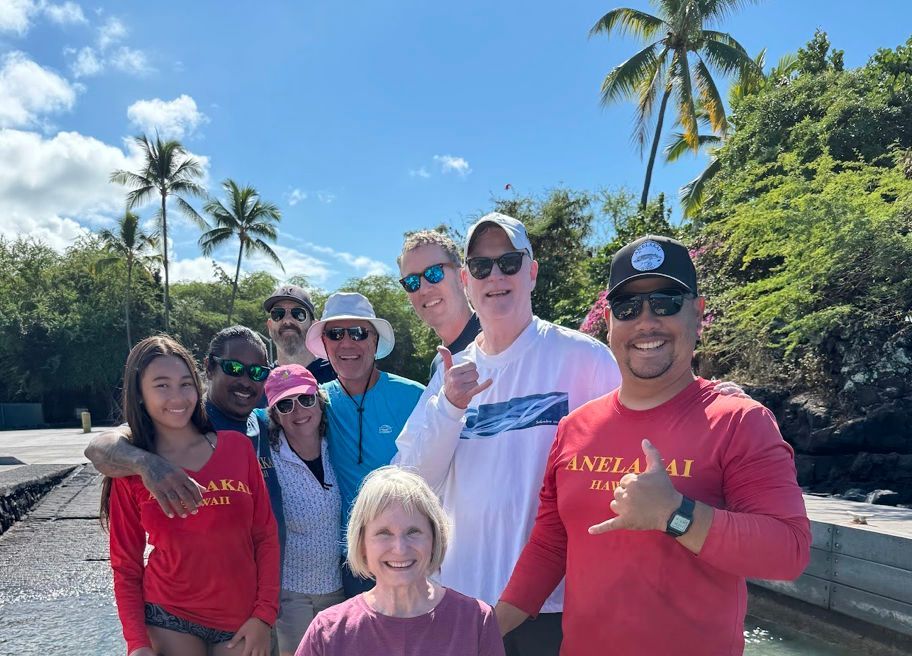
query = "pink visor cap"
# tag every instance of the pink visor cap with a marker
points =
(287, 381)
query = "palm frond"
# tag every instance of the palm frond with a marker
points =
(692, 194)
(727, 59)
(141, 196)
(258, 245)
(214, 238)
(624, 80)
(188, 211)
(710, 99)
(625, 21)
(687, 115)
(648, 93)
(678, 146)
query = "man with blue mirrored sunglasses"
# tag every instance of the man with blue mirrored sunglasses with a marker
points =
(429, 265)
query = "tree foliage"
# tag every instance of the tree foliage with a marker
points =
(805, 240)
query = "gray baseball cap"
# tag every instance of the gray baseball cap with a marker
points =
(516, 231)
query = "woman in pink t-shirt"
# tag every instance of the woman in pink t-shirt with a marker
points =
(397, 535)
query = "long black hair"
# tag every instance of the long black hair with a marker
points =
(142, 430)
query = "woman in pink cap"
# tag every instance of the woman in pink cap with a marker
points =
(311, 577)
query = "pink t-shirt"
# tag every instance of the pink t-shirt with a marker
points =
(458, 626)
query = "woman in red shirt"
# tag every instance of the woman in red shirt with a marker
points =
(211, 582)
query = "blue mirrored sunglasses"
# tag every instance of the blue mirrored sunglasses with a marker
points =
(433, 274)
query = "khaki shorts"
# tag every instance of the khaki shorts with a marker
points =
(296, 612)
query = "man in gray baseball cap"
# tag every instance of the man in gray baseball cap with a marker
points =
(290, 314)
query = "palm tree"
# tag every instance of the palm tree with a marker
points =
(132, 246)
(674, 37)
(693, 193)
(249, 219)
(170, 172)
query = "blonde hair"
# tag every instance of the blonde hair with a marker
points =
(431, 238)
(382, 488)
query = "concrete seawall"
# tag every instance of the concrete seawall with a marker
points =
(22, 487)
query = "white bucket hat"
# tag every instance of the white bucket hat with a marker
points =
(345, 305)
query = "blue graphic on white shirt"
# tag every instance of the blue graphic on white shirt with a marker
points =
(492, 419)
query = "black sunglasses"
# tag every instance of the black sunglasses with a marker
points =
(256, 372)
(433, 274)
(508, 263)
(287, 405)
(357, 333)
(298, 313)
(663, 303)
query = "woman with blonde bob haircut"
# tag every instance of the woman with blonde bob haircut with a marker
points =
(397, 535)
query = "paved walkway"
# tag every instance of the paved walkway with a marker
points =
(59, 446)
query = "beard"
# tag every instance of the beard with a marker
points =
(290, 341)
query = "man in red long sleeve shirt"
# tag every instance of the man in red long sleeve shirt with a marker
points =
(662, 496)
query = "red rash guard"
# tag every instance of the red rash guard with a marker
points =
(217, 568)
(640, 592)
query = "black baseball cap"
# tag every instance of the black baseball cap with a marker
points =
(290, 293)
(651, 256)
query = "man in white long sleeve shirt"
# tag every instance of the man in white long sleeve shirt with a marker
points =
(483, 445)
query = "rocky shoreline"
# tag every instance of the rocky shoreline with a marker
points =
(21, 488)
(866, 458)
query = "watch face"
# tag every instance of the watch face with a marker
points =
(679, 523)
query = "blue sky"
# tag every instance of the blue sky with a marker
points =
(360, 121)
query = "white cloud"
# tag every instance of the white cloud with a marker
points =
(67, 13)
(362, 264)
(419, 173)
(28, 92)
(113, 31)
(51, 186)
(296, 196)
(130, 61)
(15, 15)
(55, 188)
(176, 118)
(86, 62)
(295, 263)
(451, 164)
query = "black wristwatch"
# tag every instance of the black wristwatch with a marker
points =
(681, 519)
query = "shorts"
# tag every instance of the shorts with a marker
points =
(296, 612)
(158, 616)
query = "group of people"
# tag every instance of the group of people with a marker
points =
(543, 494)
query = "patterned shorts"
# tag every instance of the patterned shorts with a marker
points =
(158, 616)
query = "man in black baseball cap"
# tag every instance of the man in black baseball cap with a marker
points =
(291, 312)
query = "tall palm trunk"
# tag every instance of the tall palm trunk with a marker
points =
(127, 302)
(655, 146)
(237, 274)
(164, 195)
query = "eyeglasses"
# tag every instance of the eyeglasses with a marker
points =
(508, 263)
(663, 303)
(287, 405)
(256, 372)
(357, 333)
(298, 313)
(433, 274)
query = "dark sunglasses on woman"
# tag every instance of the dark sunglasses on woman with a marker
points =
(508, 263)
(663, 303)
(433, 274)
(256, 372)
(357, 333)
(298, 313)
(287, 405)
